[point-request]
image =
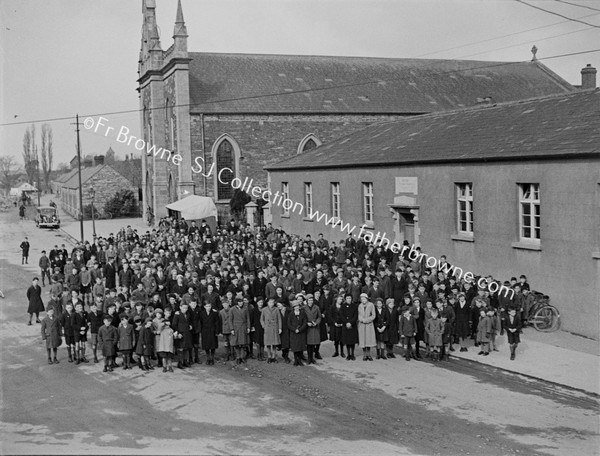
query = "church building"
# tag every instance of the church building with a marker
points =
(236, 114)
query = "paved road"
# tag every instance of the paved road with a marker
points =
(338, 407)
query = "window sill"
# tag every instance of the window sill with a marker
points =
(307, 219)
(526, 246)
(287, 216)
(596, 255)
(368, 225)
(462, 237)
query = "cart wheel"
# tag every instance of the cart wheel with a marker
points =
(546, 319)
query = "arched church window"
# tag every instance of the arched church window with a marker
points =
(225, 159)
(308, 143)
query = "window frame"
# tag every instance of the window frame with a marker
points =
(368, 200)
(336, 205)
(308, 199)
(285, 193)
(464, 194)
(530, 197)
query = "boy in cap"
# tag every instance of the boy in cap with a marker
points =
(408, 330)
(107, 339)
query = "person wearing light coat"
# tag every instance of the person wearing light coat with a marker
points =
(366, 330)
(313, 332)
(270, 320)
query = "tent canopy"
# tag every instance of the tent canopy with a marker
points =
(25, 187)
(194, 207)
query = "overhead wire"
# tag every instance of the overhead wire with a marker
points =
(556, 14)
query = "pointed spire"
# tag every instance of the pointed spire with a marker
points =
(180, 29)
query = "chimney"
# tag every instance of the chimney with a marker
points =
(98, 160)
(588, 77)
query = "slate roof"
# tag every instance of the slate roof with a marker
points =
(86, 174)
(237, 83)
(542, 128)
(66, 176)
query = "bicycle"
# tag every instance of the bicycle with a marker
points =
(543, 316)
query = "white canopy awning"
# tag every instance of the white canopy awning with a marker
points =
(194, 207)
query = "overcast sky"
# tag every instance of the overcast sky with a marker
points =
(62, 57)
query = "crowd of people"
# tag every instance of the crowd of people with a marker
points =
(163, 297)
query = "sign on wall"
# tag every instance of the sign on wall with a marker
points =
(406, 185)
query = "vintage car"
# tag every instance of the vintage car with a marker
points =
(47, 217)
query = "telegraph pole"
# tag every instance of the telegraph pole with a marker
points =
(79, 169)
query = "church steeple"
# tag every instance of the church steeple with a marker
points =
(151, 51)
(180, 33)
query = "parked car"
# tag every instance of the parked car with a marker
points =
(47, 217)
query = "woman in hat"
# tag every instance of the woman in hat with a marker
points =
(297, 324)
(349, 318)
(366, 330)
(335, 325)
(270, 320)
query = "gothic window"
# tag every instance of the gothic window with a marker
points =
(225, 170)
(309, 142)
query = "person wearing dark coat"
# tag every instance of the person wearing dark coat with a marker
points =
(145, 345)
(408, 330)
(107, 339)
(25, 251)
(462, 315)
(313, 331)
(512, 325)
(34, 295)
(125, 339)
(210, 326)
(349, 317)
(195, 311)
(285, 332)
(335, 325)
(381, 323)
(182, 331)
(68, 329)
(51, 333)
(418, 313)
(393, 330)
(297, 325)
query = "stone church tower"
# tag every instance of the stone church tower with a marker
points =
(165, 116)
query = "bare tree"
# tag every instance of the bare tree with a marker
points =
(8, 171)
(47, 154)
(30, 153)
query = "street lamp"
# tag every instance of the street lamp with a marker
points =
(93, 195)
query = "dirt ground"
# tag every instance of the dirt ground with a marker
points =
(337, 407)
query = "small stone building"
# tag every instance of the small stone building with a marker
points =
(104, 179)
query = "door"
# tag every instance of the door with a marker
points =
(406, 221)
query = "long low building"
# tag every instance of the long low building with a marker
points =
(503, 189)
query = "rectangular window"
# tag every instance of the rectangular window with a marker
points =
(308, 199)
(464, 208)
(529, 212)
(285, 193)
(335, 199)
(368, 201)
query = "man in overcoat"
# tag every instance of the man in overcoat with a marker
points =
(297, 324)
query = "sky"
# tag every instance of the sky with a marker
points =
(59, 58)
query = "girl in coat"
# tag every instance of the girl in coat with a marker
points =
(227, 328)
(165, 347)
(392, 330)
(34, 296)
(51, 329)
(107, 340)
(381, 323)
(366, 330)
(313, 331)
(145, 345)
(240, 322)
(210, 327)
(484, 330)
(349, 317)
(297, 325)
(125, 340)
(270, 320)
(335, 326)
(434, 328)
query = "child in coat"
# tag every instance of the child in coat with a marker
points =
(435, 330)
(496, 324)
(51, 333)
(484, 330)
(107, 340)
(226, 328)
(144, 345)
(166, 345)
(125, 340)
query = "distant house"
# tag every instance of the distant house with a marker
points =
(104, 179)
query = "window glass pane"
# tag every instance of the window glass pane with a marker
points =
(537, 233)
(526, 232)
(225, 159)
(526, 209)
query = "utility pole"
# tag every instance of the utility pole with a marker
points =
(79, 169)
